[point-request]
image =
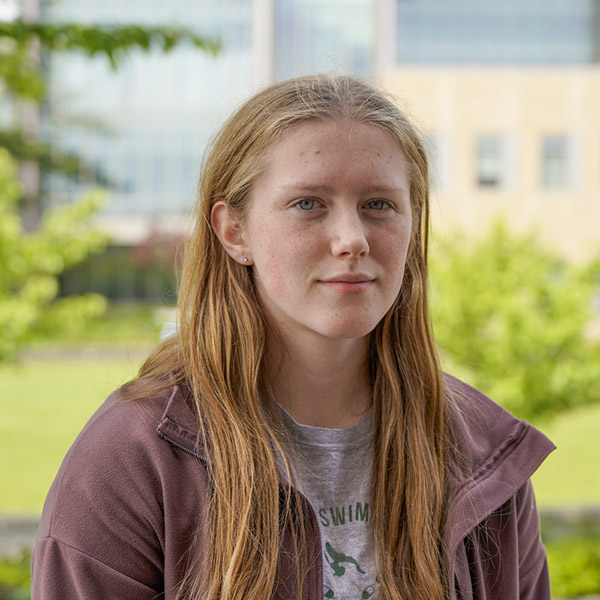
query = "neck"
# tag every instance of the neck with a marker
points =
(323, 384)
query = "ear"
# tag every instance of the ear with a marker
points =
(230, 233)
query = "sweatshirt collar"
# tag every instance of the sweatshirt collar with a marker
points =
(179, 424)
(499, 452)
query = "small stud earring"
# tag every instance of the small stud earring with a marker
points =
(245, 259)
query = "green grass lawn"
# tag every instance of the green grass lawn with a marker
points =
(45, 402)
(569, 476)
(43, 405)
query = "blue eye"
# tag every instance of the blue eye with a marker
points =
(306, 204)
(377, 204)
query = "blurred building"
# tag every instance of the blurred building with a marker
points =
(144, 126)
(506, 93)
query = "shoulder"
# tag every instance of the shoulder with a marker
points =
(120, 423)
(485, 434)
(493, 454)
(118, 496)
(128, 433)
(119, 442)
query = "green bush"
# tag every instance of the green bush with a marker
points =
(120, 323)
(15, 578)
(574, 566)
(574, 570)
(31, 262)
(513, 319)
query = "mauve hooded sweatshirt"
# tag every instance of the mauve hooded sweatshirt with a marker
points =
(129, 506)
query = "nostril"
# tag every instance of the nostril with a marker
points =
(354, 246)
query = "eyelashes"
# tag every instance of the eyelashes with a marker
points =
(309, 204)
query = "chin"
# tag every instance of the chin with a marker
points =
(352, 331)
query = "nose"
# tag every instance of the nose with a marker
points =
(349, 236)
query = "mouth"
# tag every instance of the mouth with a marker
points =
(349, 278)
(348, 284)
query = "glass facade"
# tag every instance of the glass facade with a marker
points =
(516, 32)
(144, 126)
(323, 36)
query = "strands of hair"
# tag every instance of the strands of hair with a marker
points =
(219, 355)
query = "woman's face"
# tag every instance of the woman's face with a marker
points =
(328, 229)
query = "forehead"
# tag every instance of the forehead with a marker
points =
(357, 132)
(336, 149)
(322, 136)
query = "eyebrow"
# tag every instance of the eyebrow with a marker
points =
(385, 189)
(371, 189)
(308, 187)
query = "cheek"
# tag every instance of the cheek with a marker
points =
(278, 243)
(393, 246)
(279, 257)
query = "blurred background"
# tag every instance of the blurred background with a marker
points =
(106, 108)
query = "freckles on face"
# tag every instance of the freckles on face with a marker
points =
(328, 228)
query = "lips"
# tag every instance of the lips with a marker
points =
(348, 278)
(351, 283)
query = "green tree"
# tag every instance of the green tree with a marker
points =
(31, 261)
(21, 77)
(515, 321)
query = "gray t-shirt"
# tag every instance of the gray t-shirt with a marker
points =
(334, 473)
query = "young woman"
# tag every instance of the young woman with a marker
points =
(296, 438)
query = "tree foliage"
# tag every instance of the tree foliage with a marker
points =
(20, 71)
(30, 262)
(22, 78)
(23, 147)
(516, 321)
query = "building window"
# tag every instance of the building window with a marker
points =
(437, 149)
(555, 162)
(489, 161)
(533, 32)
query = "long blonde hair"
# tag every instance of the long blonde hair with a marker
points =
(219, 354)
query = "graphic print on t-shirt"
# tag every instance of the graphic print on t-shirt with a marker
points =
(332, 469)
(344, 529)
(336, 559)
